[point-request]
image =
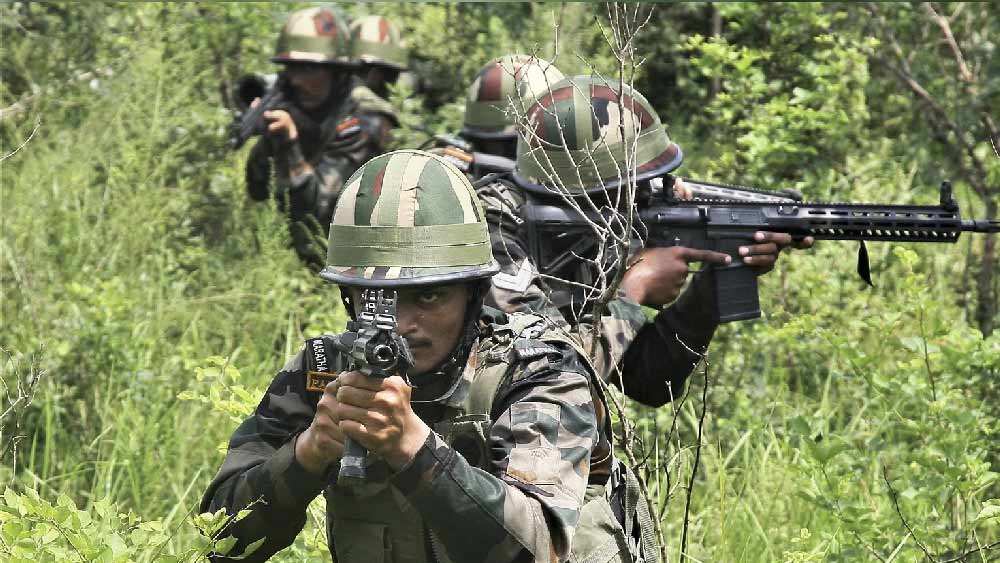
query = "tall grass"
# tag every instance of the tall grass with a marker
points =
(137, 278)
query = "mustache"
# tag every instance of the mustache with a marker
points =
(417, 341)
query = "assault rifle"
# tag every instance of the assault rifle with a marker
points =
(462, 154)
(249, 121)
(723, 218)
(370, 345)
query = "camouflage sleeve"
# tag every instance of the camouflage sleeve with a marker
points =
(260, 471)
(315, 185)
(258, 170)
(526, 507)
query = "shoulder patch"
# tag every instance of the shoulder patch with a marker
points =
(528, 349)
(319, 359)
(518, 282)
(347, 127)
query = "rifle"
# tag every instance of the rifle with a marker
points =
(462, 154)
(249, 121)
(370, 345)
(559, 235)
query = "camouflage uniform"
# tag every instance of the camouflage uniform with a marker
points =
(333, 141)
(523, 505)
(504, 474)
(376, 42)
(649, 361)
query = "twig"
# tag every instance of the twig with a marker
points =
(990, 547)
(956, 51)
(697, 460)
(895, 502)
(38, 123)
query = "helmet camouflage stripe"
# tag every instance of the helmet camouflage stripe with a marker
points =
(517, 79)
(490, 92)
(444, 203)
(314, 35)
(583, 134)
(407, 218)
(377, 41)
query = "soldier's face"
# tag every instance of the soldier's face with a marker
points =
(310, 82)
(430, 319)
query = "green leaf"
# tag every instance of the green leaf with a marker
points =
(225, 545)
(799, 425)
(991, 509)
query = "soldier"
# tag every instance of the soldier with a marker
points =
(502, 89)
(321, 135)
(483, 454)
(381, 52)
(649, 360)
(382, 56)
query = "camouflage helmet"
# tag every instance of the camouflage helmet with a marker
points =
(496, 85)
(408, 218)
(377, 42)
(574, 134)
(314, 35)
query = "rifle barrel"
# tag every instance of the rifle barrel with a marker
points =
(981, 226)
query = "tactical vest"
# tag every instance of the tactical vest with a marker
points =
(374, 523)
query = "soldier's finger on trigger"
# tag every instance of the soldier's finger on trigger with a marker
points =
(698, 255)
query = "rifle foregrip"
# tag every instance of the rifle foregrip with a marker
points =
(736, 293)
(352, 464)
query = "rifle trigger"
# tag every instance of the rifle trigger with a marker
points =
(864, 268)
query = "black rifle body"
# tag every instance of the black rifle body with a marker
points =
(250, 121)
(724, 225)
(372, 346)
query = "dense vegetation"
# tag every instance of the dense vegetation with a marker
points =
(146, 302)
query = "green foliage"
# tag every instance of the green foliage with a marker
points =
(159, 302)
(34, 529)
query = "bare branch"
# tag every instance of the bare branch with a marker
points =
(967, 554)
(695, 465)
(956, 51)
(895, 502)
(38, 123)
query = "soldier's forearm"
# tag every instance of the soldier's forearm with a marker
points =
(665, 352)
(476, 515)
(277, 492)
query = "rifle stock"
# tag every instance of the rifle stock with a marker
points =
(559, 235)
